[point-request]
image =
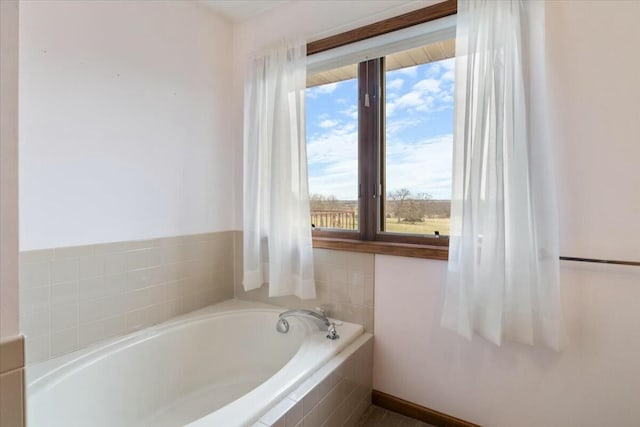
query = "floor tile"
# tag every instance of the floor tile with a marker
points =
(378, 417)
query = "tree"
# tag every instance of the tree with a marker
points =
(319, 202)
(399, 198)
(407, 208)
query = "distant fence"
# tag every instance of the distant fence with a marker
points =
(346, 220)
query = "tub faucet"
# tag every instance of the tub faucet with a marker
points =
(283, 325)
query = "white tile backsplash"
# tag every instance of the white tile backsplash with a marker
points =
(64, 269)
(64, 293)
(36, 324)
(35, 275)
(91, 266)
(74, 297)
(34, 300)
(64, 316)
(344, 285)
(64, 341)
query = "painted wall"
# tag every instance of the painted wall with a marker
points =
(595, 380)
(595, 96)
(9, 169)
(124, 121)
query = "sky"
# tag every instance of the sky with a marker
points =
(419, 126)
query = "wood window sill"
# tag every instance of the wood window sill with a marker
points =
(383, 248)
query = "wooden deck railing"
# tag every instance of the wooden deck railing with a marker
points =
(346, 220)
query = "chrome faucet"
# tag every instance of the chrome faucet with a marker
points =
(283, 325)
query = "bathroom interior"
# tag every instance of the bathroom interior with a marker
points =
(133, 289)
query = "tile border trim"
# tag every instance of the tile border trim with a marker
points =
(11, 354)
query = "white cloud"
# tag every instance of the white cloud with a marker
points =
(408, 71)
(429, 94)
(423, 167)
(427, 86)
(328, 123)
(333, 162)
(449, 66)
(325, 89)
(395, 84)
(351, 112)
(397, 124)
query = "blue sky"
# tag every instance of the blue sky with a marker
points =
(419, 133)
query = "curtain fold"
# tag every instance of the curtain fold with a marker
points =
(276, 220)
(503, 272)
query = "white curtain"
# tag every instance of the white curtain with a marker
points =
(276, 220)
(503, 278)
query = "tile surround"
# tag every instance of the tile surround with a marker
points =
(338, 394)
(74, 297)
(344, 285)
(12, 382)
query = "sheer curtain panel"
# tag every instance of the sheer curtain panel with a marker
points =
(503, 277)
(276, 221)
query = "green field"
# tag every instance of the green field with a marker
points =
(427, 227)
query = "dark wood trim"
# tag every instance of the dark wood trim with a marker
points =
(383, 248)
(335, 233)
(369, 144)
(414, 239)
(418, 412)
(420, 16)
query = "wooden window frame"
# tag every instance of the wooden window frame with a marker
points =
(371, 154)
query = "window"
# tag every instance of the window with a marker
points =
(379, 145)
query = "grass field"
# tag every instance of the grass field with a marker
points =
(429, 226)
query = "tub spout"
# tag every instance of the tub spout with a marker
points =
(283, 325)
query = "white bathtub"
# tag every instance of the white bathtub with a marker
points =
(225, 365)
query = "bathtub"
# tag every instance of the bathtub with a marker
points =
(225, 365)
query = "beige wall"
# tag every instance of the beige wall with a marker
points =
(595, 380)
(124, 121)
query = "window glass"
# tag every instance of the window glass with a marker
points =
(332, 147)
(418, 140)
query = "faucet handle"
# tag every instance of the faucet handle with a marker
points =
(332, 334)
